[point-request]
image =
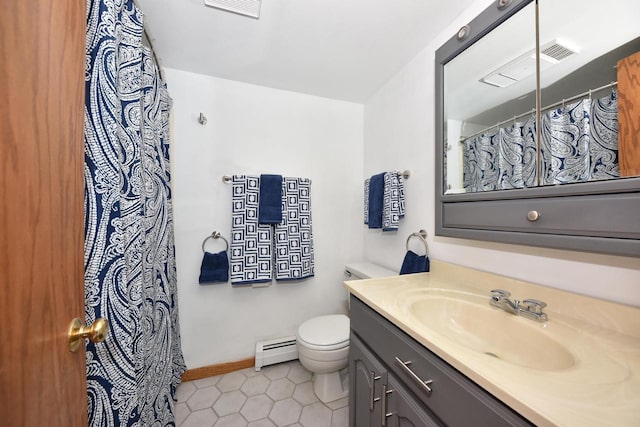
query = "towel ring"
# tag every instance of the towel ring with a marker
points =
(422, 235)
(214, 235)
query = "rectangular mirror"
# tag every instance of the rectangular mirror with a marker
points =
(538, 138)
(481, 85)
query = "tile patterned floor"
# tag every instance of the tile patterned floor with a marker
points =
(279, 395)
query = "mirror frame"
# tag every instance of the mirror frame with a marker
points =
(572, 216)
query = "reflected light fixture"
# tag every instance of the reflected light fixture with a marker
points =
(249, 8)
(525, 65)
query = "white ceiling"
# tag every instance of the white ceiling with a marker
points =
(340, 49)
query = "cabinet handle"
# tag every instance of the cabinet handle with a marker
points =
(383, 411)
(372, 389)
(424, 384)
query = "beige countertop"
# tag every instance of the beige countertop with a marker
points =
(596, 344)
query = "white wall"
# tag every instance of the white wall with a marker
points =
(399, 134)
(455, 172)
(253, 130)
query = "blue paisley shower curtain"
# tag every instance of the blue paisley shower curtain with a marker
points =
(579, 142)
(501, 159)
(130, 272)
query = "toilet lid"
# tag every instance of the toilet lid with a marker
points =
(325, 332)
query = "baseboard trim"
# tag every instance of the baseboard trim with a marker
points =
(218, 369)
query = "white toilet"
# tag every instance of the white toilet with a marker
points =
(323, 342)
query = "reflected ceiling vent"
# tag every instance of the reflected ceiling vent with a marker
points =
(556, 50)
(241, 7)
(525, 65)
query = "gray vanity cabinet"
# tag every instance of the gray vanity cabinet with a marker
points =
(403, 410)
(367, 375)
(369, 382)
(421, 389)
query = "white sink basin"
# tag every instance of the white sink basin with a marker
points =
(473, 323)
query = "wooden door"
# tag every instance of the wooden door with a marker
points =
(41, 220)
(628, 117)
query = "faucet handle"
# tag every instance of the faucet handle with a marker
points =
(534, 305)
(497, 294)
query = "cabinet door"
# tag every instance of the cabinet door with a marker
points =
(366, 377)
(402, 410)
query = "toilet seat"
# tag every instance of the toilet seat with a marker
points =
(310, 346)
(325, 333)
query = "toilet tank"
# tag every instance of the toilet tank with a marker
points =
(366, 270)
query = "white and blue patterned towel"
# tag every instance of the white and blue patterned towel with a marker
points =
(251, 243)
(294, 238)
(393, 199)
(401, 194)
(366, 200)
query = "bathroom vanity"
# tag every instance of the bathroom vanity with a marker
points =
(429, 349)
(394, 378)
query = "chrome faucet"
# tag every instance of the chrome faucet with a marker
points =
(529, 308)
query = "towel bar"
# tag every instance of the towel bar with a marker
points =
(422, 235)
(215, 235)
(406, 174)
(228, 178)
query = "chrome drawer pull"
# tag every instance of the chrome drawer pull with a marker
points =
(372, 378)
(533, 216)
(420, 381)
(384, 412)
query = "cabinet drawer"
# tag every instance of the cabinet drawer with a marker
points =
(613, 215)
(454, 399)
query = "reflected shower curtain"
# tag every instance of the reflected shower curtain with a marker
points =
(517, 155)
(565, 138)
(501, 159)
(603, 149)
(130, 273)
(579, 142)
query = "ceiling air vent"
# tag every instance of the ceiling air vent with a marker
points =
(242, 7)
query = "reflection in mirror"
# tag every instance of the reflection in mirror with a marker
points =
(490, 123)
(581, 61)
(497, 70)
(553, 162)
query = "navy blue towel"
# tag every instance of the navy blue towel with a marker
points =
(214, 268)
(414, 263)
(376, 200)
(270, 199)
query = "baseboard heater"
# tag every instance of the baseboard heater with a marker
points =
(275, 351)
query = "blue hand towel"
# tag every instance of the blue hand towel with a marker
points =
(376, 200)
(214, 268)
(270, 200)
(414, 263)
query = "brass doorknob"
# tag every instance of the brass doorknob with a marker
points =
(97, 332)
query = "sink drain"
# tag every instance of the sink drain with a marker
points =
(488, 353)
